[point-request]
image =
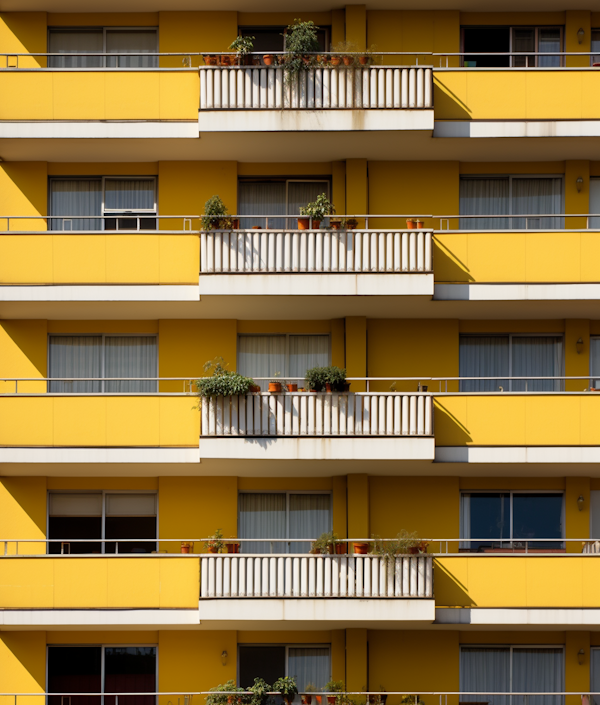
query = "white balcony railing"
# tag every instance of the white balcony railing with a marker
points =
(311, 414)
(256, 251)
(242, 575)
(265, 88)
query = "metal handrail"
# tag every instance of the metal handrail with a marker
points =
(117, 215)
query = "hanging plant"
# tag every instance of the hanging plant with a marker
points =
(301, 43)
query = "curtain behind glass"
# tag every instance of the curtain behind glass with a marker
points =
(485, 671)
(595, 361)
(538, 670)
(75, 356)
(129, 194)
(130, 356)
(595, 668)
(483, 356)
(310, 516)
(549, 41)
(72, 42)
(483, 197)
(523, 40)
(134, 43)
(261, 516)
(595, 59)
(73, 197)
(537, 196)
(537, 356)
(261, 355)
(309, 666)
(261, 198)
(302, 192)
(308, 351)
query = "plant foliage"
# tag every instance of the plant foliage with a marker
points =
(220, 696)
(260, 692)
(319, 209)
(316, 378)
(243, 45)
(222, 382)
(287, 687)
(215, 215)
(301, 41)
(322, 544)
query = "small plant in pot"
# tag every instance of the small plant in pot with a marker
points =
(219, 694)
(307, 697)
(275, 384)
(317, 210)
(222, 382)
(333, 687)
(216, 215)
(335, 380)
(347, 52)
(215, 542)
(325, 544)
(316, 379)
(243, 46)
(287, 687)
(260, 692)
(301, 44)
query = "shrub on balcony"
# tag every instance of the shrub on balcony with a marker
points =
(260, 692)
(243, 46)
(222, 382)
(287, 687)
(301, 41)
(336, 378)
(404, 543)
(319, 209)
(222, 694)
(316, 378)
(216, 215)
(325, 543)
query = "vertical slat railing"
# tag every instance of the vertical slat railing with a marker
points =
(316, 576)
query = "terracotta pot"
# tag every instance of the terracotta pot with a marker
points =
(268, 59)
(351, 223)
(254, 389)
(336, 60)
(274, 387)
(235, 223)
(185, 547)
(306, 699)
(318, 699)
(364, 60)
(210, 60)
(292, 387)
(233, 548)
(413, 550)
(328, 388)
(256, 227)
(348, 60)
(226, 60)
(336, 225)
(411, 224)
(361, 548)
(331, 549)
(303, 223)
(213, 549)
(340, 549)
(331, 699)
(420, 223)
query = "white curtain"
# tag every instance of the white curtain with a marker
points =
(262, 516)
(66, 41)
(131, 356)
(485, 670)
(261, 355)
(75, 356)
(135, 43)
(549, 41)
(261, 198)
(302, 192)
(537, 356)
(483, 197)
(309, 666)
(595, 192)
(595, 59)
(465, 520)
(595, 361)
(307, 351)
(310, 516)
(129, 194)
(75, 197)
(538, 670)
(595, 668)
(540, 196)
(483, 356)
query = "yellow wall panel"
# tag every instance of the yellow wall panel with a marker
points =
(132, 421)
(24, 33)
(179, 583)
(25, 259)
(132, 259)
(23, 664)
(356, 659)
(74, 99)
(79, 421)
(128, 96)
(356, 350)
(23, 191)
(16, 428)
(144, 573)
(179, 259)
(77, 259)
(358, 506)
(26, 96)
(27, 583)
(80, 583)
(196, 32)
(23, 354)
(23, 513)
(179, 95)
(179, 421)
(103, 19)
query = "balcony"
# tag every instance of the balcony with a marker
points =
(286, 591)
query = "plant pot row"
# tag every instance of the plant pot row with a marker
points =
(336, 224)
(232, 547)
(414, 223)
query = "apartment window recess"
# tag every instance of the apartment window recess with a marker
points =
(290, 355)
(128, 44)
(307, 663)
(478, 41)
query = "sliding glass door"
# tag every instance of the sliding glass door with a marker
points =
(130, 46)
(276, 197)
(285, 356)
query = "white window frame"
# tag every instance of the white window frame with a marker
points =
(512, 539)
(102, 357)
(104, 31)
(102, 666)
(284, 373)
(517, 647)
(103, 493)
(537, 29)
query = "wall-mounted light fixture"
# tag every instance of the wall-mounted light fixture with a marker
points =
(580, 502)
(580, 657)
(580, 35)
(579, 184)
(224, 656)
(579, 346)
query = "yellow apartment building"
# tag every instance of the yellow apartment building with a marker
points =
(158, 519)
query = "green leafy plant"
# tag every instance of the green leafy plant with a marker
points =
(215, 542)
(319, 209)
(310, 688)
(220, 696)
(401, 545)
(316, 378)
(346, 49)
(336, 377)
(243, 45)
(322, 544)
(301, 41)
(222, 382)
(334, 687)
(287, 687)
(215, 215)
(412, 700)
(260, 692)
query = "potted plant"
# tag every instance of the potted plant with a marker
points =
(301, 42)
(316, 379)
(186, 547)
(306, 697)
(325, 544)
(368, 57)
(347, 51)
(333, 687)
(351, 223)
(317, 210)
(336, 223)
(222, 382)
(361, 548)
(412, 700)
(210, 59)
(215, 215)
(287, 687)
(420, 223)
(275, 384)
(260, 692)
(291, 387)
(335, 379)
(411, 223)
(215, 542)
(233, 546)
(219, 696)
(243, 46)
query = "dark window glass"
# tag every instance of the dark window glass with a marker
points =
(130, 669)
(484, 40)
(490, 519)
(74, 669)
(130, 528)
(266, 662)
(68, 528)
(268, 39)
(538, 516)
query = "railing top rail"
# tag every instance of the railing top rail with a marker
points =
(235, 539)
(324, 692)
(280, 378)
(289, 216)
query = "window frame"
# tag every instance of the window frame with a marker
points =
(467, 544)
(102, 360)
(593, 377)
(285, 374)
(511, 58)
(105, 29)
(103, 493)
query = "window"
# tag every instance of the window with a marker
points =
(504, 520)
(511, 195)
(104, 356)
(277, 197)
(308, 664)
(124, 198)
(516, 669)
(595, 669)
(501, 356)
(288, 355)
(479, 41)
(102, 515)
(595, 362)
(594, 202)
(101, 669)
(595, 59)
(272, 38)
(277, 515)
(128, 44)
